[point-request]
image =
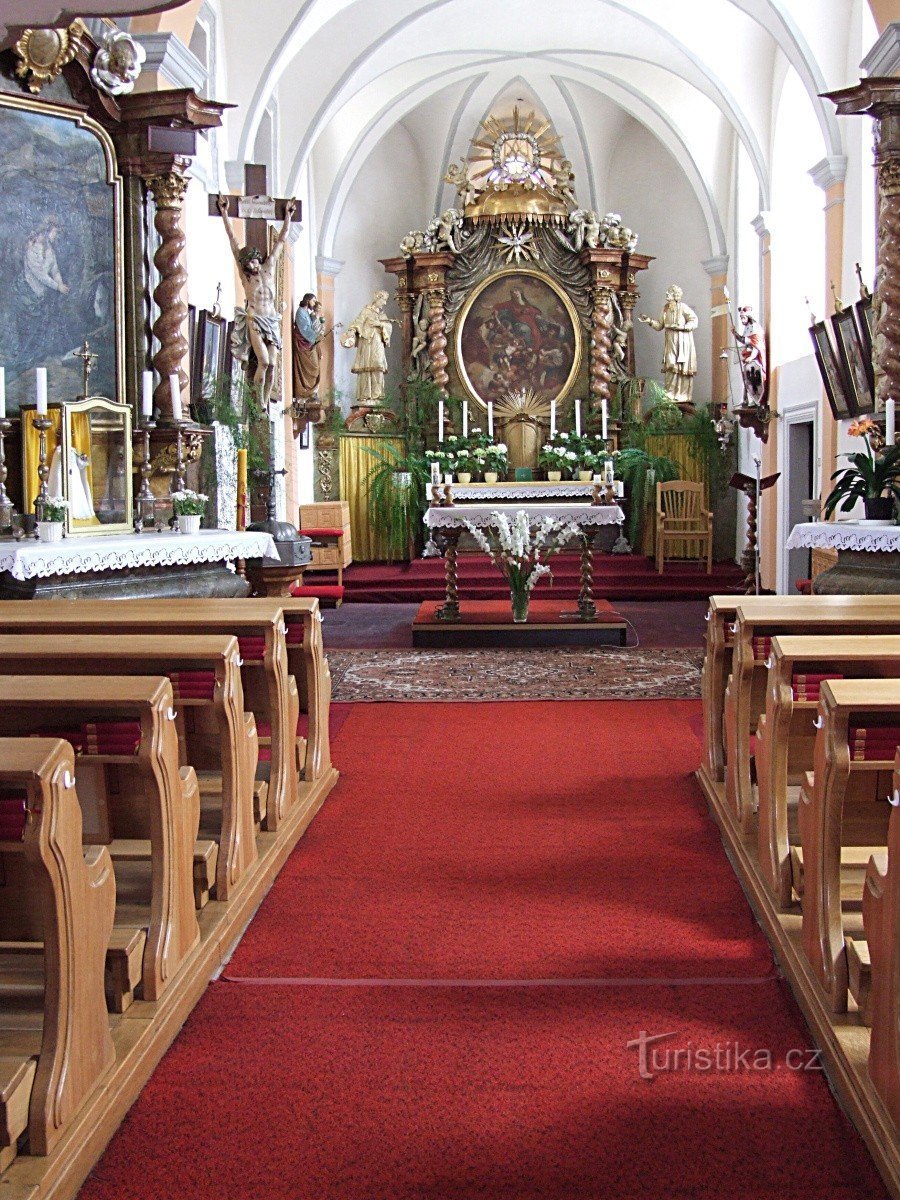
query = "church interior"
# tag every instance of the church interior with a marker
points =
(449, 600)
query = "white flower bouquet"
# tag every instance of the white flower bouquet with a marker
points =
(188, 503)
(521, 552)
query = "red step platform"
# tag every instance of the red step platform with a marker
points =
(490, 623)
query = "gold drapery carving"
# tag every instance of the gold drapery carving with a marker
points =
(692, 468)
(357, 468)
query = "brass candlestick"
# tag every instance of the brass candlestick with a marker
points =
(42, 424)
(6, 508)
(178, 478)
(145, 507)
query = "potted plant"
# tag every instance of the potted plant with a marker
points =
(53, 516)
(872, 476)
(398, 496)
(496, 462)
(189, 507)
(557, 456)
(641, 471)
(521, 552)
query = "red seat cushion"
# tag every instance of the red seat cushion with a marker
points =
(322, 591)
(252, 647)
(322, 531)
(13, 815)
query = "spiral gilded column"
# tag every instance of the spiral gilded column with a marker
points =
(887, 328)
(168, 193)
(437, 339)
(601, 347)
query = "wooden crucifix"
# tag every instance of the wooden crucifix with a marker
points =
(257, 326)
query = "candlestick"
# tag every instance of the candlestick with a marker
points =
(552, 419)
(578, 418)
(242, 489)
(145, 504)
(147, 395)
(42, 423)
(465, 432)
(890, 421)
(40, 385)
(490, 418)
(2, 393)
(178, 474)
(175, 389)
(440, 420)
(6, 508)
(604, 418)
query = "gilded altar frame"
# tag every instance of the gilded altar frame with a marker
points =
(548, 281)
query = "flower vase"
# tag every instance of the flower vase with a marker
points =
(464, 477)
(188, 522)
(519, 597)
(49, 531)
(879, 508)
(554, 476)
(490, 477)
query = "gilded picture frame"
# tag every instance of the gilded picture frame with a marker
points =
(61, 252)
(830, 371)
(859, 378)
(518, 329)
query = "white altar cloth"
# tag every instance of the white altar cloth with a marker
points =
(844, 535)
(535, 489)
(117, 552)
(480, 515)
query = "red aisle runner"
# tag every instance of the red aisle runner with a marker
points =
(563, 852)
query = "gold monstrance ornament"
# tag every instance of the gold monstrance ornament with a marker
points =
(523, 416)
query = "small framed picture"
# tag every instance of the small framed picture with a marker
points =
(829, 369)
(208, 363)
(859, 379)
(865, 319)
(303, 440)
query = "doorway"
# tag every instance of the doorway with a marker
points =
(800, 471)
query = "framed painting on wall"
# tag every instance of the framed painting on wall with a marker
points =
(859, 379)
(518, 331)
(60, 252)
(208, 362)
(829, 369)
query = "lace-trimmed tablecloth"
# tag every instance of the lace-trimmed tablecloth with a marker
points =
(74, 556)
(844, 535)
(510, 492)
(480, 515)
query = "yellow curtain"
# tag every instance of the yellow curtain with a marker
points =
(691, 466)
(357, 468)
(81, 441)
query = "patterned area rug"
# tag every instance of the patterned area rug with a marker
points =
(563, 674)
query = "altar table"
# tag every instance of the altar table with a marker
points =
(135, 565)
(451, 521)
(541, 490)
(868, 556)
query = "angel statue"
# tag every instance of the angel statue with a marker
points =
(257, 326)
(565, 183)
(117, 63)
(412, 243)
(442, 231)
(585, 226)
(458, 177)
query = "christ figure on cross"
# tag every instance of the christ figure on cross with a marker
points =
(257, 326)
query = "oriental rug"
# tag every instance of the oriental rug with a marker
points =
(362, 676)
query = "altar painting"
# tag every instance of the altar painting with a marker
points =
(59, 262)
(518, 332)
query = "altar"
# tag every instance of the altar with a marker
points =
(868, 556)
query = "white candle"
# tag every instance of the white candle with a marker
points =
(604, 417)
(175, 389)
(598, 479)
(435, 472)
(578, 418)
(890, 421)
(40, 380)
(2, 393)
(448, 478)
(490, 418)
(440, 420)
(552, 418)
(147, 394)
(465, 432)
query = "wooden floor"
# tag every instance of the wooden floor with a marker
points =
(843, 1039)
(140, 1041)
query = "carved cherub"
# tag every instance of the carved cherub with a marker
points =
(412, 243)
(458, 177)
(565, 183)
(442, 231)
(117, 63)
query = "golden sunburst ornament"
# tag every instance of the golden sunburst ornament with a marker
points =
(524, 404)
(521, 150)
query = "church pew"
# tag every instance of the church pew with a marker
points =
(61, 896)
(757, 620)
(270, 693)
(881, 920)
(223, 737)
(844, 801)
(155, 799)
(786, 733)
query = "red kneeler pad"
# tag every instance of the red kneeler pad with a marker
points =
(322, 532)
(329, 595)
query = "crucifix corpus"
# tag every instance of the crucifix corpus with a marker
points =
(257, 326)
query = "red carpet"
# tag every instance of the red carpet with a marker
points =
(481, 612)
(365, 1055)
(617, 577)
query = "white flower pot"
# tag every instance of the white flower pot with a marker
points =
(554, 476)
(189, 524)
(50, 531)
(464, 477)
(585, 476)
(490, 477)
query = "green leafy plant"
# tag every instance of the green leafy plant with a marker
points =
(188, 503)
(640, 472)
(397, 497)
(873, 472)
(54, 508)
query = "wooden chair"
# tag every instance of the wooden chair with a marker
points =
(682, 519)
(786, 736)
(844, 801)
(61, 898)
(217, 738)
(881, 919)
(135, 800)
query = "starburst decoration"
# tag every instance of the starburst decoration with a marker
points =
(521, 150)
(517, 242)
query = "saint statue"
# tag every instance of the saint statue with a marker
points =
(679, 364)
(307, 333)
(751, 343)
(369, 333)
(257, 326)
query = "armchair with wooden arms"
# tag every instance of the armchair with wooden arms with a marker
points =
(681, 518)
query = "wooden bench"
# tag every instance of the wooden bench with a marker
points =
(844, 802)
(128, 793)
(215, 734)
(881, 920)
(786, 733)
(61, 897)
(270, 693)
(757, 621)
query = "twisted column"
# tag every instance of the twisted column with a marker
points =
(887, 328)
(628, 299)
(168, 328)
(601, 347)
(437, 339)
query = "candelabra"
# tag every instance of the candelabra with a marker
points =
(145, 506)
(6, 508)
(178, 483)
(42, 424)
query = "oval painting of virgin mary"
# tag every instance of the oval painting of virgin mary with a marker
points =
(517, 331)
